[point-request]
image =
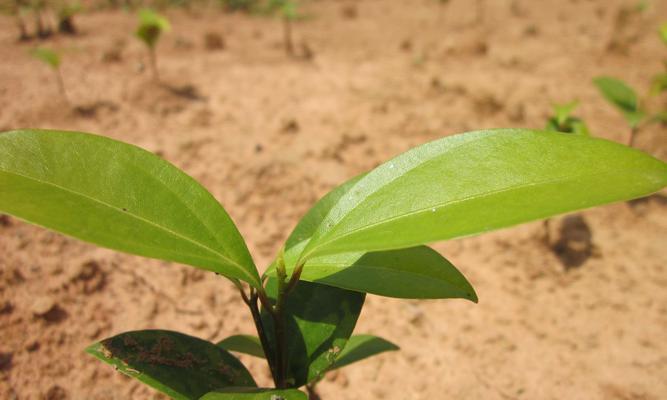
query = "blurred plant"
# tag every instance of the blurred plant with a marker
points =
(17, 9)
(289, 12)
(625, 99)
(65, 13)
(563, 121)
(52, 59)
(151, 26)
(659, 81)
(239, 5)
(369, 235)
(42, 28)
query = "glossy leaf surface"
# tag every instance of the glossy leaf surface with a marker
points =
(255, 394)
(180, 366)
(320, 319)
(246, 344)
(118, 196)
(622, 96)
(481, 181)
(360, 347)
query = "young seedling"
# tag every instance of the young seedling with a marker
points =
(16, 9)
(42, 29)
(369, 235)
(288, 11)
(65, 13)
(151, 26)
(625, 99)
(52, 60)
(563, 121)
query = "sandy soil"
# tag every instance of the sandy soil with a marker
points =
(268, 135)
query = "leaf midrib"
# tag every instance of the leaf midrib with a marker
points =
(139, 218)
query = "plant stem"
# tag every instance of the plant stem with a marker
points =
(633, 133)
(61, 85)
(153, 61)
(279, 324)
(287, 31)
(547, 231)
(261, 332)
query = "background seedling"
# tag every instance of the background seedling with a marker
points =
(151, 26)
(288, 12)
(42, 29)
(17, 9)
(65, 12)
(369, 235)
(625, 99)
(52, 59)
(563, 121)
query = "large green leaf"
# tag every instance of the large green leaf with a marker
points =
(319, 321)
(408, 273)
(181, 366)
(663, 32)
(622, 96)
(255, 394)
(360, 347)
(119, 196)
(480, 181)
(413, 273)
(246, 344)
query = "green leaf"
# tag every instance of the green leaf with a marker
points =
(319, 321)
(246, 344)
(47, 56)
(622, 96)
(360, 347)
(151, 26)
(181, 366)
(476, 182)
(413, 273)
(255, 394)
(118, 196)
(663, 32)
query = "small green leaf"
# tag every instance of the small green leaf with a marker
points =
(563, 111)
(47, 56)
(181, 366)
(622, 96)
(255, 394)
(319, 321)
(360, 347)
(413, 273)
(476, 182)
(151, 26)
(118, 196)
(246, 344)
